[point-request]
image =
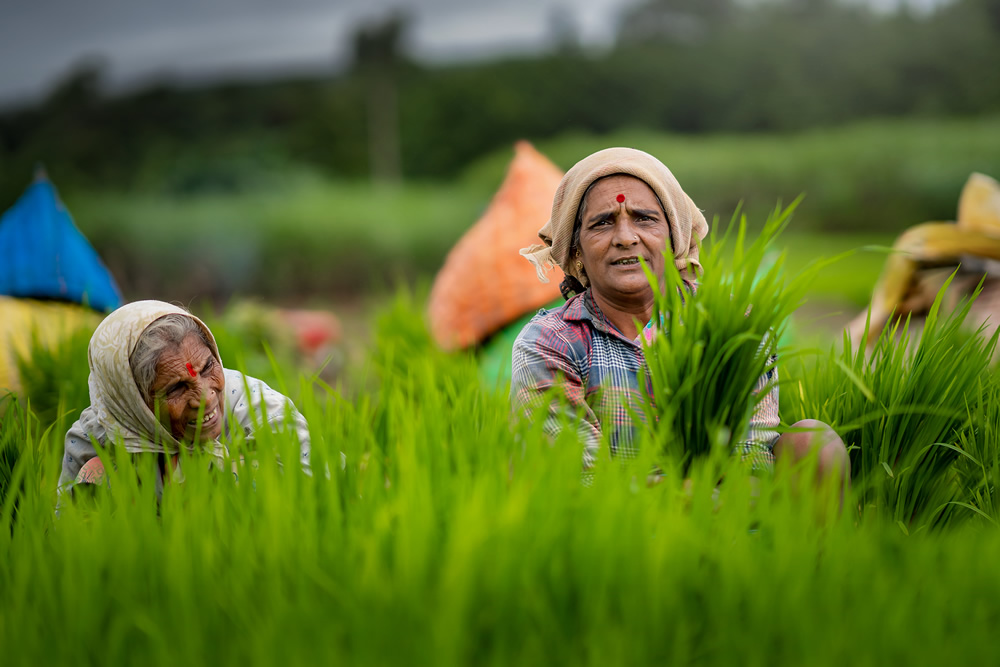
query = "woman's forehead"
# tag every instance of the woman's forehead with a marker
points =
(608, 188)
(189, 349)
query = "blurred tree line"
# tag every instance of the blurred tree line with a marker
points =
(685, 66)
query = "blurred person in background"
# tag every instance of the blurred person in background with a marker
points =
(610, 209)
(157, 385)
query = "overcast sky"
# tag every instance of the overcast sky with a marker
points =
(40, 40)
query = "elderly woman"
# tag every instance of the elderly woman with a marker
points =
(611, 209)
(157, 385)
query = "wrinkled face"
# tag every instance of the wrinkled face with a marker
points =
(179, 391)
(621, 221)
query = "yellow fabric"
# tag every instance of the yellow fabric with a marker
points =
(979, 205)
(904, 286)
(687, 223)
(21, 319)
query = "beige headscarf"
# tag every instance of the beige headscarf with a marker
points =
(115, 401)
(687, 224)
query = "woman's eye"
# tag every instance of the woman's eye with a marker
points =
(208, 365)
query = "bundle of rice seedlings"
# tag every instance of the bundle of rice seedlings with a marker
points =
(979, 467)
(903, 411)
(713, 347)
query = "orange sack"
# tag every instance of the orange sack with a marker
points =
(485, 283)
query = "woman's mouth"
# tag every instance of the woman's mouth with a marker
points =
(627, 261)
(209, 416)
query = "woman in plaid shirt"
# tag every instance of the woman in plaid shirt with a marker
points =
(611, 209)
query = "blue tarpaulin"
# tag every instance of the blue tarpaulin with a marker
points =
(44, 256)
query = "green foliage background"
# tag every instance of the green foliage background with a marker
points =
(862, 185)
(677, 67)
(204, 192)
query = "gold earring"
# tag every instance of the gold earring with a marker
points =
(579, 265)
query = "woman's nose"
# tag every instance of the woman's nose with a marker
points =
(202, 391)
(624, 235)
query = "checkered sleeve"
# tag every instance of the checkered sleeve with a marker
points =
(758, 448)
(546, 374)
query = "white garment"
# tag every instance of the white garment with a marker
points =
(118, 413)
(246, 406)
(247, 401)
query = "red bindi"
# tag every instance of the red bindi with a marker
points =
(191, 369)
(620, 198)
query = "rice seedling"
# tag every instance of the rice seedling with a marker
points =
(978, 468)
(904, 410)
(12, 437)
(714, 346)
(455, 535)
(54, 377)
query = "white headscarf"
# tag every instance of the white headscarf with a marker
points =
(115, 401)
(687, 224)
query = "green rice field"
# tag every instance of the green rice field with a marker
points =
(457, 534)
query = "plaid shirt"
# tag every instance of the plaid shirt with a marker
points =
(597, 368)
